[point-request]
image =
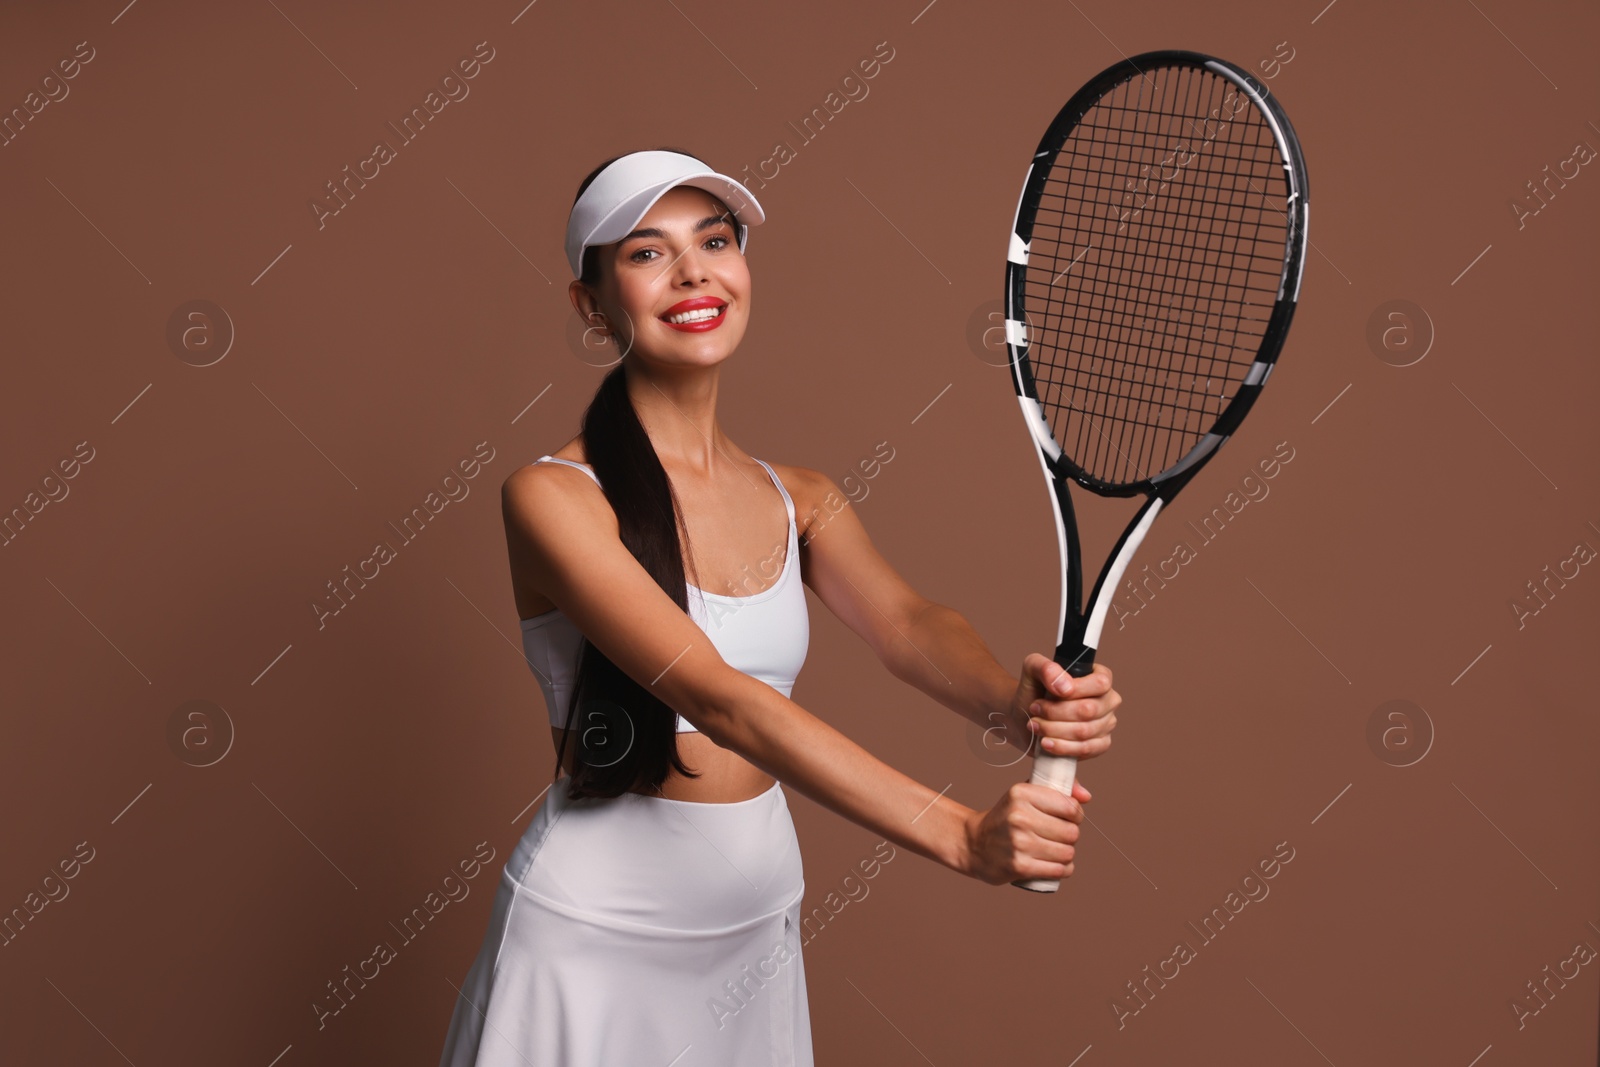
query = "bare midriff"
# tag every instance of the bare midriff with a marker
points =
(725, 776)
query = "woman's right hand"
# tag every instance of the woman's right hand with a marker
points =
(1030, 833)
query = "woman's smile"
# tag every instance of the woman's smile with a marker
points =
(698, 315)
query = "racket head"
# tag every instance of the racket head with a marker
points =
(1153, 269)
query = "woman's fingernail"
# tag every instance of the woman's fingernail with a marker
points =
(1064, 684)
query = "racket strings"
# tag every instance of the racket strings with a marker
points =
(1170, 318)
(1212, 315)
(1154, 263)
(1111, 384)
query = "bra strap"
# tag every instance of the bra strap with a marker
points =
(570, 463)
(788, 502)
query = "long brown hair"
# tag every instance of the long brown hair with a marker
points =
(626, 735)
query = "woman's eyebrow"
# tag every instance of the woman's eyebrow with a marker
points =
(660, 235)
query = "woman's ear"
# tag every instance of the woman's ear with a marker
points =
(583, 301)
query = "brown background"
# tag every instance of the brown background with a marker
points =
(369, 356)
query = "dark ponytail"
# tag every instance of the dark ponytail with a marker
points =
(626, 735)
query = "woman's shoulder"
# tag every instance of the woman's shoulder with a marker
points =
(809, 489)
(815, 493)
(796, 477)
(572, 450)
(535, 486)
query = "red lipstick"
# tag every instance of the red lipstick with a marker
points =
(695, 304)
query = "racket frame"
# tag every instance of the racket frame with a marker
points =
(1080, 630)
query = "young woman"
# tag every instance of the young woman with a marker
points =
(650, 914)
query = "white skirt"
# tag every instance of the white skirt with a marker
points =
(641, 930)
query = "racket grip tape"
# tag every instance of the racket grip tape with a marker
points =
(1058, 772)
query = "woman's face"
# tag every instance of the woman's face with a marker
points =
(681, 259)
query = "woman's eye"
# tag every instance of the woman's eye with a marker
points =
(644, 251)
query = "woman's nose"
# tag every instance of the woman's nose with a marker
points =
(688, 267)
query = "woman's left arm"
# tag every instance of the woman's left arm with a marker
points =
(933, 647)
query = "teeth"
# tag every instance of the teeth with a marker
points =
(699, 315)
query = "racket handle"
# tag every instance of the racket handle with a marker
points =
(1058, 772)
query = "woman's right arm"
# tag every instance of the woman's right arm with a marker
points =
(568, 537)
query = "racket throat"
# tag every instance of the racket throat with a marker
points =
(1104, 592)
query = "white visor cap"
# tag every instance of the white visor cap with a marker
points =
(620, 195)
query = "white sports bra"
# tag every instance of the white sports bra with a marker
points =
(765, 635)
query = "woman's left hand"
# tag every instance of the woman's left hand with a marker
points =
(1073, 721)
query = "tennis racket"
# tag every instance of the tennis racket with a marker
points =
(1153, 267)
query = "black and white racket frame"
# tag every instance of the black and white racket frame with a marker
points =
(1080, 628)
